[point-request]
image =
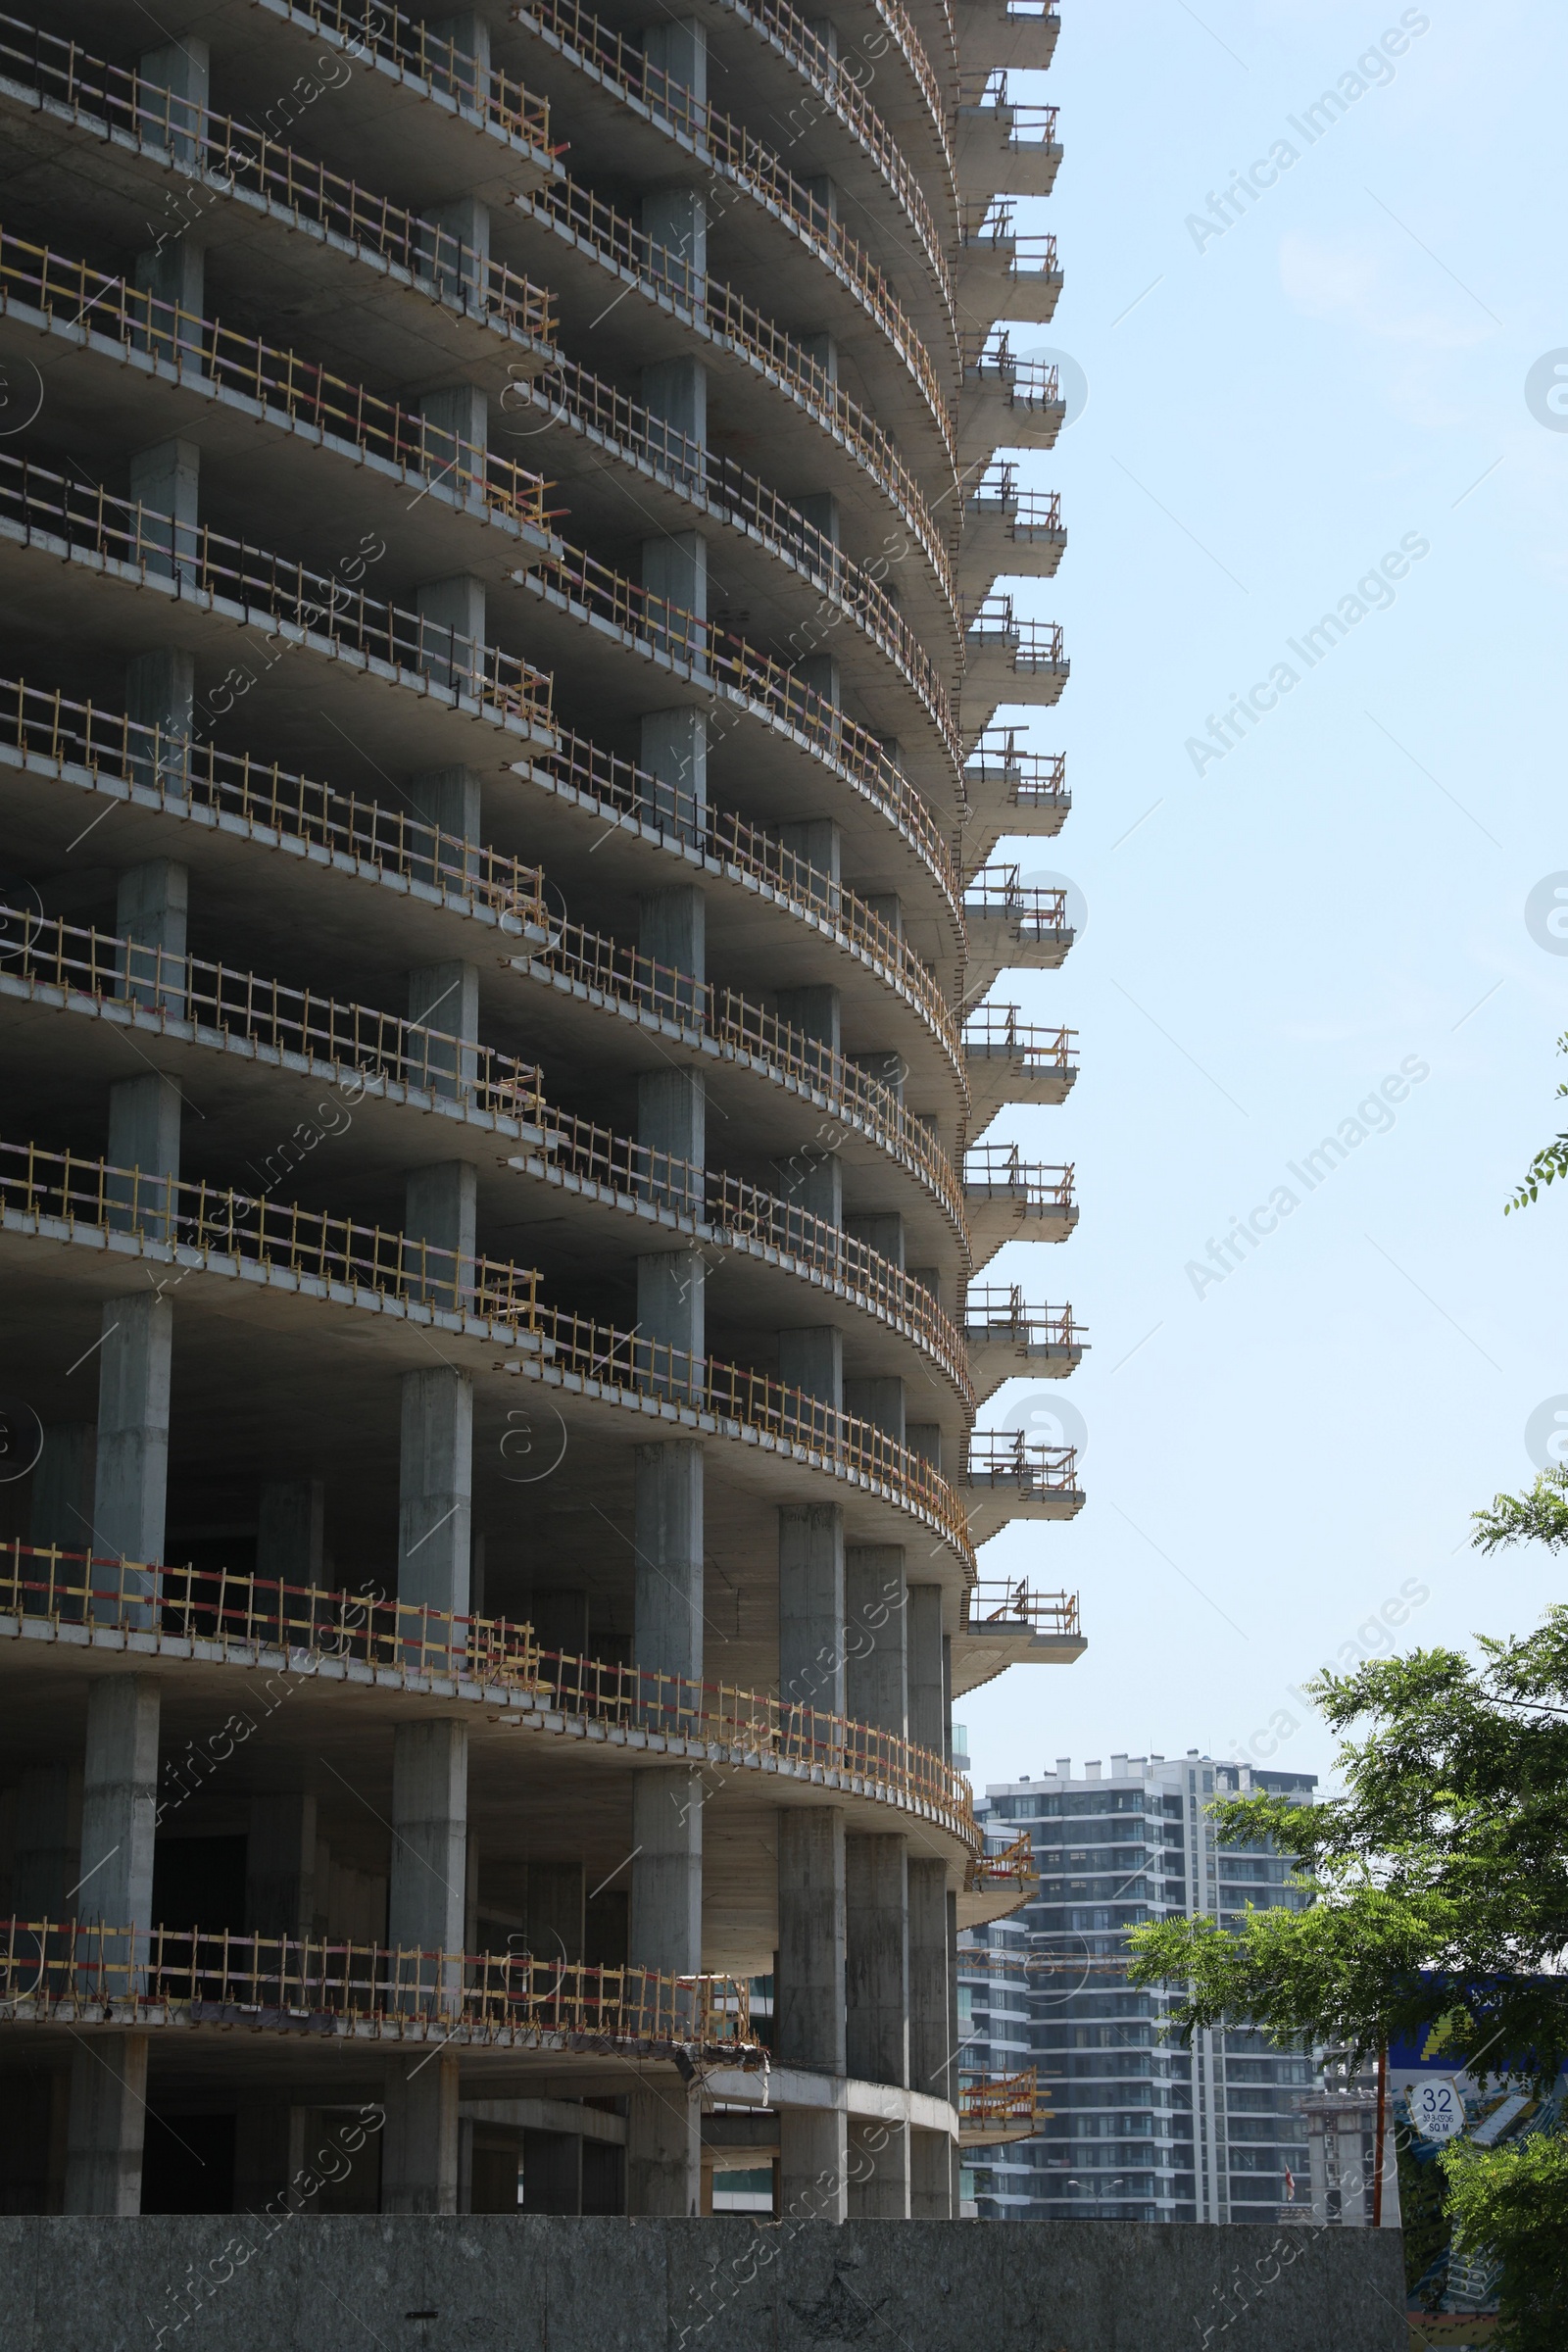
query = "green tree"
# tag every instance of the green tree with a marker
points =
(1550, 1162)
(1447, 1860)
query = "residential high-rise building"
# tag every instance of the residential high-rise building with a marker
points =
(500, 526)
(1139, 2127)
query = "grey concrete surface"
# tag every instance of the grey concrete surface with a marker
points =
(544, 2284)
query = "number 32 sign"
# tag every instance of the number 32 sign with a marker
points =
(1437, 2110)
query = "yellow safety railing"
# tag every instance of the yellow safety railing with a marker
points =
(567, 392)
(243, 1617)
(214, 1223)
(593, 224)
(375, 28)
(622, 65)
(719, 657)
(798, 37)
(1005, 1456)
(54, 509)
(235, 155)
(997, 1030)
(44, 726)
(1000, 1172)
(95, 1972)
(1014, 1865)
(280, 382)
(1003, 1602)
(996, 1310)
(361, 1044)
(1034, 779)
(740, 1026)
(1000, 2103)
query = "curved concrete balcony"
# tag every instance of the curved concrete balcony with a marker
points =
(570, 415)
(1009, 1061)
(591, 618)
(1005, 529)
(459, 1094)
(298, 222)
(1003, 274)
(1005, 32)
(88, 1973)
(1010, 790)
(1007, 658)
(869, 39)
(420, 884)
(1008, 1198)
(1002, 147)
(589, 976)
(192, 584)
(79, 1224)
(772, 388)
(1007, 1623)
(353, 1642)
(1007, 1477)
(1006, 402)
(632, 118)
(1006, 1338)
(1013, 924)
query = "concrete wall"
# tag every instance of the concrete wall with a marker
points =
(726, 2285)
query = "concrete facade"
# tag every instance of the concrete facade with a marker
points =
(494, 1188)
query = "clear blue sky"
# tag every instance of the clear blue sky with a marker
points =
(1342, 894)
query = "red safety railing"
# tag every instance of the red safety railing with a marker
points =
(990, 2106)
(54, 511)
(1012, 1865)
(246, 1618)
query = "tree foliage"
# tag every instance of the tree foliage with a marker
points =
(1550, 1162)
(1512, 2203)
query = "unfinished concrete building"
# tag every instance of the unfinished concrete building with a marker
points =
(499, 535)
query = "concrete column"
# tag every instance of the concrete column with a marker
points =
(879, 1401)
(669, 1542)
(449, 799)
(877, 1960)
(143, 1150)
(931, 1968)
(182, 67)
(444, 997)
(280, 1864)
(811, 1607)
(666, 1876)
(452, 631)
(152, 907)
(456, 435)
(674, 221)
(882, 1232)
(673, 750)
(816, 1010)
(931, 2176)
(46, 1864)
(118, 1814)
(436, 1484)
(672, 1131)
(419, 2140)
(879, 2171)
(818, 844)
(814, 1183)
(441, 1212)
(820, 351)
(466, 74)
(173, 278)
(676, 51)
(290, 1530)
(131, 1482)
(675, 395)
(876, 1636)
(161, 693)
(927, 1692)
(555, 1911)
(671, 1343)
(268, 2147)
(819, 543)
(61, 1509)
(808, 2014)
(163, 483)
(674, 574)
(427, 1879)
(664, 2150)
(672, 934)
(924, 1438)
(454, 248)
(818, 673)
